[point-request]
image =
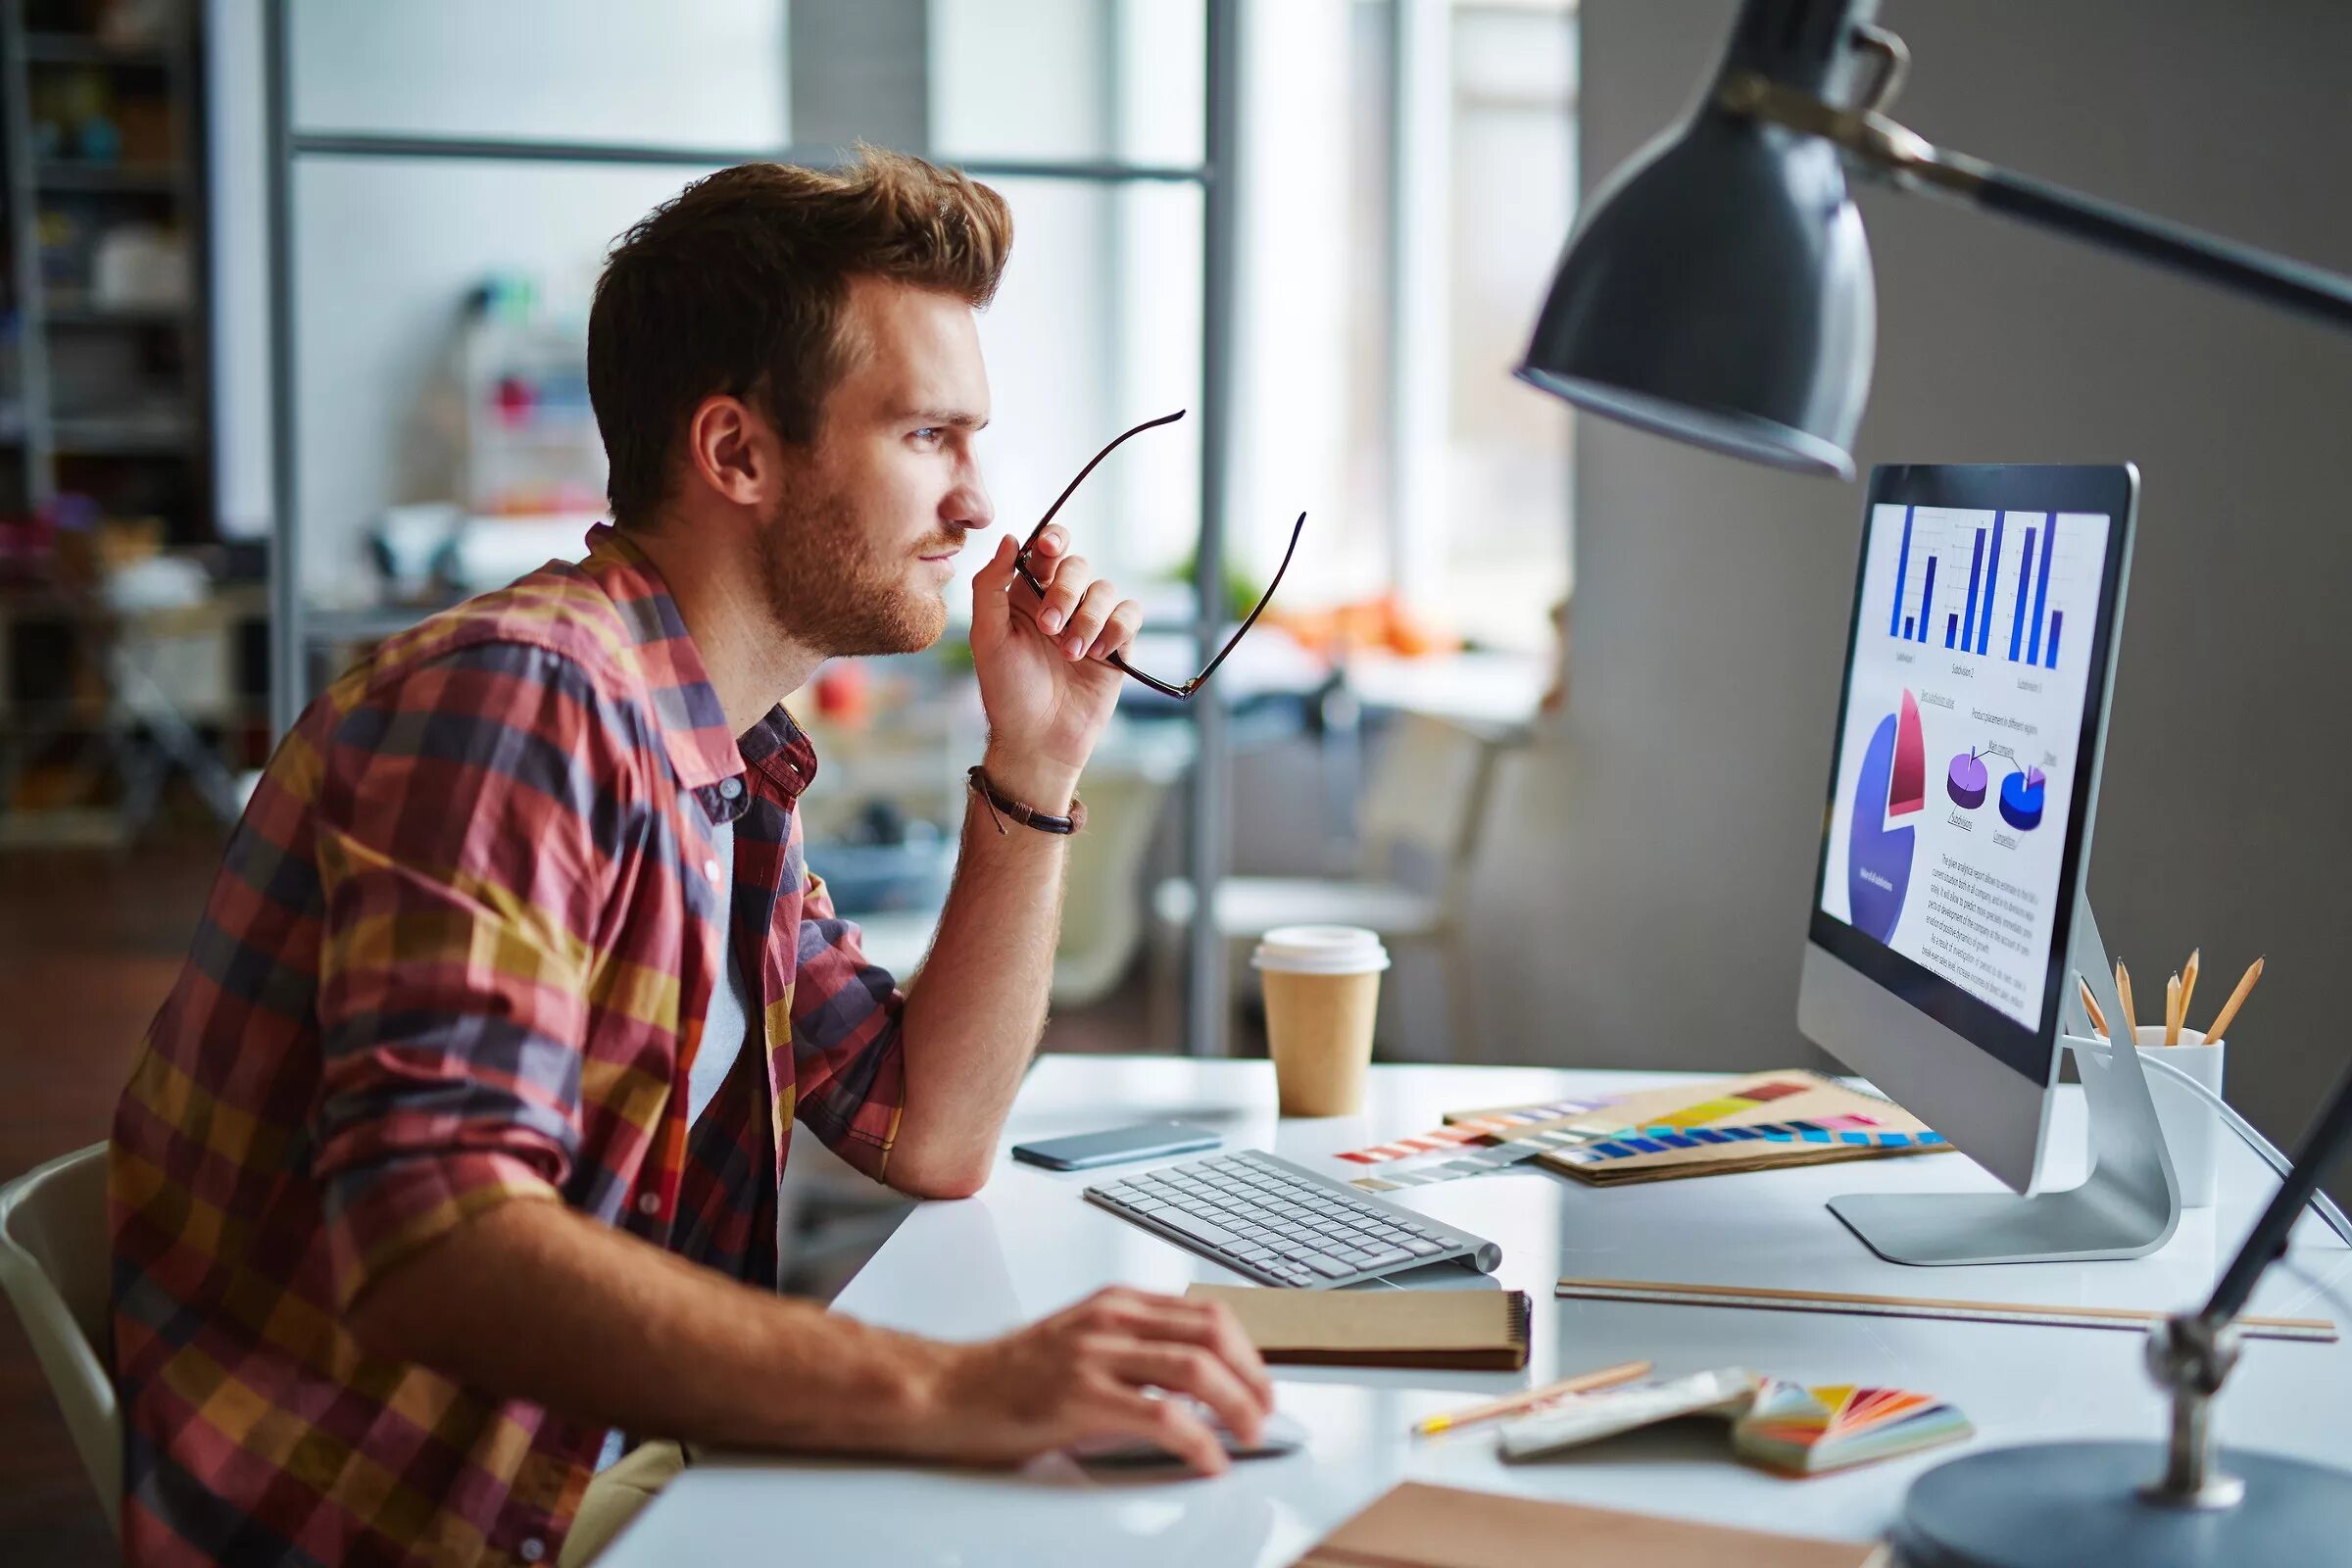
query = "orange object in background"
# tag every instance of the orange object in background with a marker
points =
(1384, 623)
(844, 693)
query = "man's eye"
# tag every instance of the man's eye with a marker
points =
(928, 433)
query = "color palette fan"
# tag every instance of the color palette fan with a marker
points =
(1805, 1431)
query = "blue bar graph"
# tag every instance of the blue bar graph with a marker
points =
(2017, 623)
(1992, 569)
(1927, 599)
(2041, 591)
(1976, 569)
(2057, 619)
(1951, 630)
(1906, 626)
(1902, 569)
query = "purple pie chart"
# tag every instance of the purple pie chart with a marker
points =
(1966, 781)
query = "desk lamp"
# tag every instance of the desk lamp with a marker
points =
(1718, 292)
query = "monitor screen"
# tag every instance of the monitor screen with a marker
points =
(1967, 730)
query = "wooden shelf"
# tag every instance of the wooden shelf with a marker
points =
(86, 49)
(144, 180)
(79, 315)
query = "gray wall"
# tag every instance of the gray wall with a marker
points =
(1645, 900)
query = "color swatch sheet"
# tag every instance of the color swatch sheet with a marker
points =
(1756, 1122)
(1775, 1424)
(1805, 1431)
(1471, 1144)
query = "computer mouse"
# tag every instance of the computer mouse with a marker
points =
(1278, 1434)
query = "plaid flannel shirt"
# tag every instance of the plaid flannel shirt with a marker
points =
(460, 952)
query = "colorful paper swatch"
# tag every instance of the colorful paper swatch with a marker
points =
(1805, 1431)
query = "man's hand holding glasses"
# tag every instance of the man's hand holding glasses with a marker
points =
(1049, 642)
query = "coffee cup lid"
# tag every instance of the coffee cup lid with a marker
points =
(1320, 949)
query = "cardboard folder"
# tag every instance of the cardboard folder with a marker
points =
(1418, 1526)
(1468, 1331)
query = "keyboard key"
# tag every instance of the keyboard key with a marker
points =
(1200, 1229)
(1418, 1248)
(1328, 1267)
(1390, 1258)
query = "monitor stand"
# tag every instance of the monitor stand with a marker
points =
(2128, 1205)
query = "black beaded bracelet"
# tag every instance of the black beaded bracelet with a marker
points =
(1001, 805)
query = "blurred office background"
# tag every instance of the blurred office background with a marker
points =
(1609, 869)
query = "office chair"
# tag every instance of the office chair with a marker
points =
(1427, 798)
(54, 1264)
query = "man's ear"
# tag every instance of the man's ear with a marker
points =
(731, 448)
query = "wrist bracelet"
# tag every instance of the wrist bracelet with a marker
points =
(1001, 805)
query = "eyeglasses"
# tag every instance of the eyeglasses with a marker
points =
(1020, 565)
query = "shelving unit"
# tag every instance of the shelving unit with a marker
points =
(110, 387)
(107, 391)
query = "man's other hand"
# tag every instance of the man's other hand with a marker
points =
(1084, 1372)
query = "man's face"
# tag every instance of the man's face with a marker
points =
(858, 554)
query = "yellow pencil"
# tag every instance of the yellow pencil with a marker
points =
(2090, 1005)
(2238, 999)
(2189, 984)
(1583, 1383)
(2122, 993)
(2172, 1010)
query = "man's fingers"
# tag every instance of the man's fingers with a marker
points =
(1119, 630)
(997, 574)
(1087, 620)
(1199, 1372)
(1207, 1324)
(1063, 590)
(1168, 1425)
(1053, 544)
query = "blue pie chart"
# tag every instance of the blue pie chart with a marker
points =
(2022, 798)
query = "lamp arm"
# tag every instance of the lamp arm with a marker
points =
(1882, 146)
(2323, 1145)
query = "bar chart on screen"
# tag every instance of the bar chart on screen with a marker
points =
(1995, 585)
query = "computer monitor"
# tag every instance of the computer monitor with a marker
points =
(1962, 792)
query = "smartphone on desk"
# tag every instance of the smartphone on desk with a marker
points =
(1085, 1150)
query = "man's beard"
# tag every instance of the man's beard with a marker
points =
(830, 592)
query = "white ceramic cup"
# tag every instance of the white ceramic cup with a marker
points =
(2192, 1127)
(1322, 989)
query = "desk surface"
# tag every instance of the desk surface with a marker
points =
(1027, 1245)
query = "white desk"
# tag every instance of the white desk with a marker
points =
(1028, 1245)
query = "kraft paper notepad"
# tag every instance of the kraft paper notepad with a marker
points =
(1760, 1121)
(1467, 1331)
(1418, 1526)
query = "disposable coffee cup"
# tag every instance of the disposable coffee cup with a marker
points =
(1322, 989)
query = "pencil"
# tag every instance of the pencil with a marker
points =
(1583, 1383)
(2122, 993)
(2172, 1010)
(2090, 1005)
(2238, 999)
(2189, 984)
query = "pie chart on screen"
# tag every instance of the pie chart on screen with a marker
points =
(1878, 858)
(1965, 781)
(1908, 790)
(2022, 795)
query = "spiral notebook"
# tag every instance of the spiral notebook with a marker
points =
(1466, 1331)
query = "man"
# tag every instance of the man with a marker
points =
(455, 1148)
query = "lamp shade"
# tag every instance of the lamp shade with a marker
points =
(1718, 291)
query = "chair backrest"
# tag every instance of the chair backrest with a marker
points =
(1101, 912)
(1428, 792)
(55, 1262)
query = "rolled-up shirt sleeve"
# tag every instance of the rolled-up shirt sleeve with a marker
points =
(849, 1068)
(470, 815)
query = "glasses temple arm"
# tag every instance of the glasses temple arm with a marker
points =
(1251, 620)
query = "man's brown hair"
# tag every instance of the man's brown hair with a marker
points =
(737, 285)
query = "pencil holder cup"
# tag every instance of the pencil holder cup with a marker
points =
(2192, 1127)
